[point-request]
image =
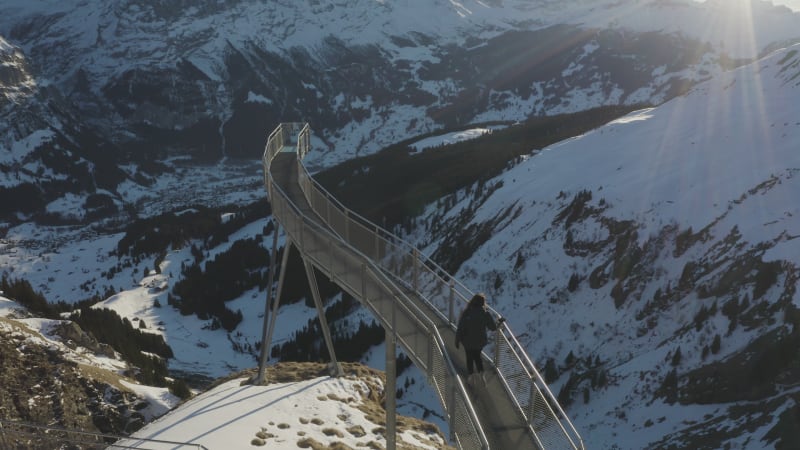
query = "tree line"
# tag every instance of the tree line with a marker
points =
(401, 182)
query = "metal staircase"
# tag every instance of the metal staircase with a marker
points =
(417, 303)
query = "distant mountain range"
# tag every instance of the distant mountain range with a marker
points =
(90, 88)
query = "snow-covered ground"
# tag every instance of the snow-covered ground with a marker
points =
(277, 416)
(452, 138)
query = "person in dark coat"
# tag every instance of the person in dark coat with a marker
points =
(475, 320)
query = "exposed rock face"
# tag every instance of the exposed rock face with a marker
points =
(73, 336)
(41, 387)
(15, 77)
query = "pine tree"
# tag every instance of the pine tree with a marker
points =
(670, 387)
(676, 357)
(550, 371)
(570, 359)
(715, 344)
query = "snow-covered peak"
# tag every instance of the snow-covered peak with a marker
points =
(100, 32)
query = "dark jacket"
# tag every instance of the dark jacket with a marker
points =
(472, 326)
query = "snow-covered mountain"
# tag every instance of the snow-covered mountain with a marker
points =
(141, 80)
(658, 254)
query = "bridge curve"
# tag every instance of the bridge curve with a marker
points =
(416, 301)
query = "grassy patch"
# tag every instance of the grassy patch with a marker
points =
(332, 432)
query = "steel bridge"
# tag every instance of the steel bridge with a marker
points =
(417, 303)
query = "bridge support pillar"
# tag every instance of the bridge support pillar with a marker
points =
(335, 369)
(390, 390)
(266, 337)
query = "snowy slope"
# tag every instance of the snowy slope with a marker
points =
(144, 25)
(721, 162)
(15, 79)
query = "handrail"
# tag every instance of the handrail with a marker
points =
(45, 433)
(437, 339)
(435, 286)
(457, 291)
(444, 391)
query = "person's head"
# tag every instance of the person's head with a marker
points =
(478, 301)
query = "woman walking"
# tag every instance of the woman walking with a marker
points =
(471, 331)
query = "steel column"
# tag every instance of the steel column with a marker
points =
(335, 368)
(277, 301)
(262, 360)
(390, 390)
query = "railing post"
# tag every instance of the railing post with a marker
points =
(497, 339)
(451, 407)
(302, 236)
(390, 390)
(377, 244)
(532, 403)
(347, 225)
(327, 209)
(432, 342)
(330, 264)
(364, 282)
(415, 281)
(451, 309)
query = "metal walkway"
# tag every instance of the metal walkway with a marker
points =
(418, 303)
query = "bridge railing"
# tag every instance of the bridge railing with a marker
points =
(17, 435)
(416, 332)
(443, 293)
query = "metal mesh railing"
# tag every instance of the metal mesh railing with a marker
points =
(408, 268)
(16, 435)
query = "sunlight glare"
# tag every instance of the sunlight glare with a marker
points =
(635, 116)
(736, 91)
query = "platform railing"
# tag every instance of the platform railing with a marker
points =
(18, 435)
(444, 294)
